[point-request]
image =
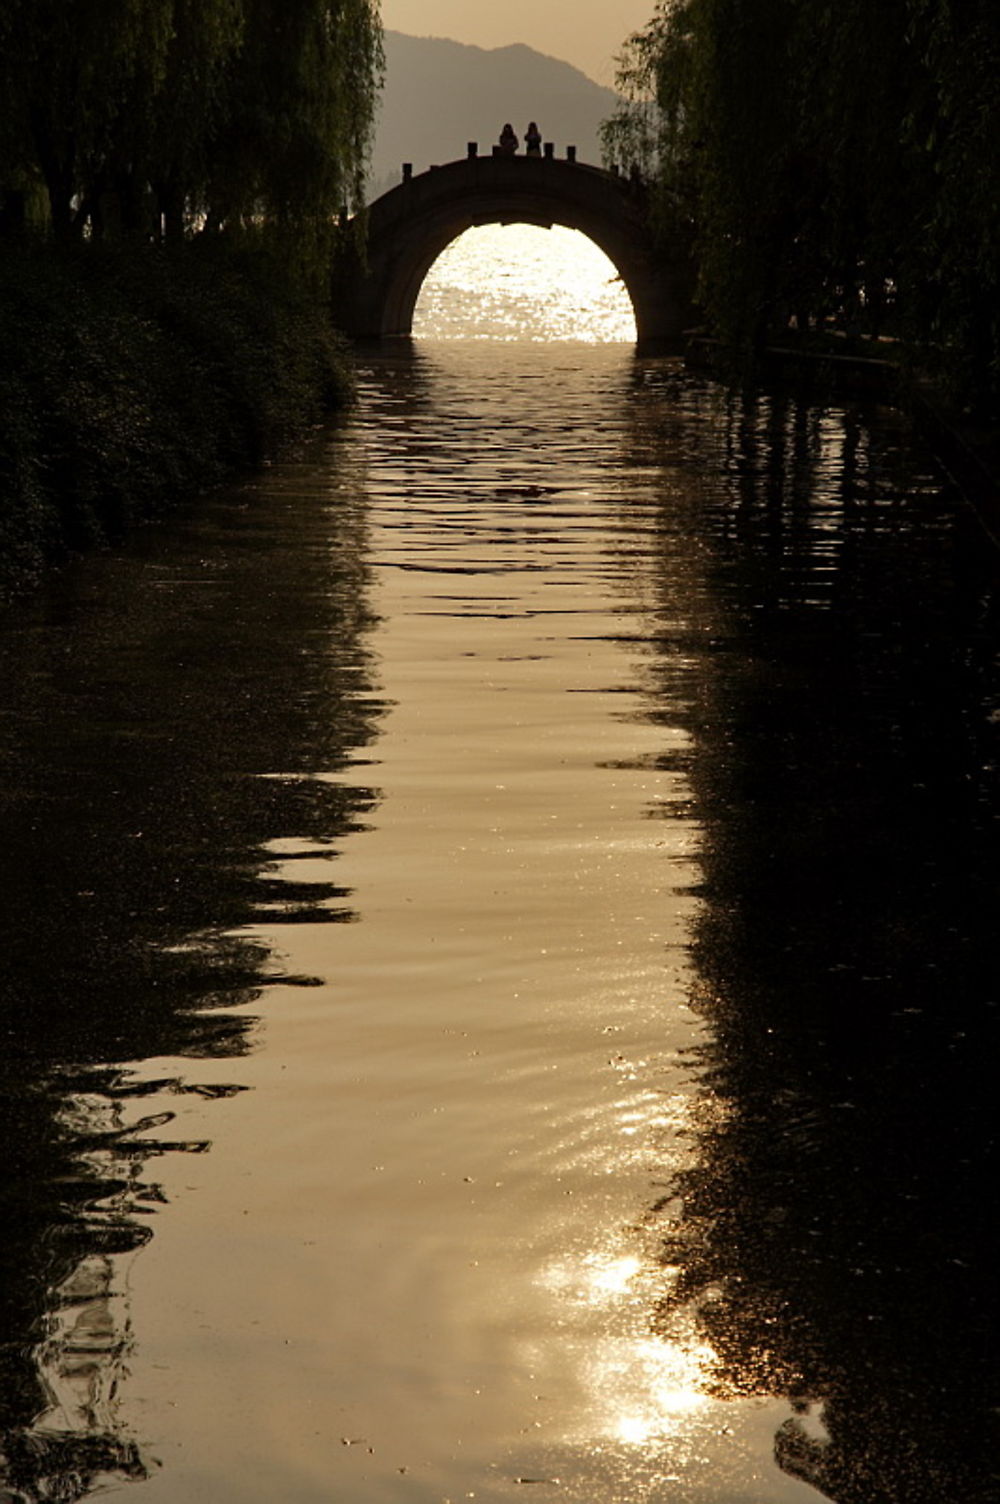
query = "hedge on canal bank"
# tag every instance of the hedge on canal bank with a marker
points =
(131, 378)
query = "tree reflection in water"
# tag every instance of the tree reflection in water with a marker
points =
(143, 699)
(836, 1232)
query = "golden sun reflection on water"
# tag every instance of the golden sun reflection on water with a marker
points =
(668, 1378)
(642, 1387)
(521, 282)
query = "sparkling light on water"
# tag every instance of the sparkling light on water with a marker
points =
(521, 282)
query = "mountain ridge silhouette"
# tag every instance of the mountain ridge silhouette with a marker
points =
(440, 94)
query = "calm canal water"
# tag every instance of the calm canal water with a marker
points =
(499, 989)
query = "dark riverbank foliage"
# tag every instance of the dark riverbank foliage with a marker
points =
(172, 175)
(841, 165)
(130, 378)
(153, 117)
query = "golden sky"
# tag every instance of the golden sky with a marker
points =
(586, 33)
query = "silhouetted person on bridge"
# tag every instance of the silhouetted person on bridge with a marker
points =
(533, 141)
(508, 140)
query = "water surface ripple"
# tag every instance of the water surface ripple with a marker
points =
(498, 992)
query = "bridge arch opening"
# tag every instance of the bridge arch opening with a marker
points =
(522, 281)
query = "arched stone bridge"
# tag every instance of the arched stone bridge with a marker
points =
(411, 225)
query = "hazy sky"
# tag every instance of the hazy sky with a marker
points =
(586, 33)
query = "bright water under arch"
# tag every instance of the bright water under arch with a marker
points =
(524, 282)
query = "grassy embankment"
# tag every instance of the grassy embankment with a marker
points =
(131, 379)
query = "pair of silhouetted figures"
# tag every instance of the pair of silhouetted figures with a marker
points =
(532, 140)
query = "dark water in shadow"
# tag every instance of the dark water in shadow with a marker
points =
(807, 625)
(837, 1231)
(143, 697)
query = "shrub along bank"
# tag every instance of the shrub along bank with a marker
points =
(131, 377)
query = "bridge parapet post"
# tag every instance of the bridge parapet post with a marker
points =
(407, 171)
(550, 150)
(472, 149)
